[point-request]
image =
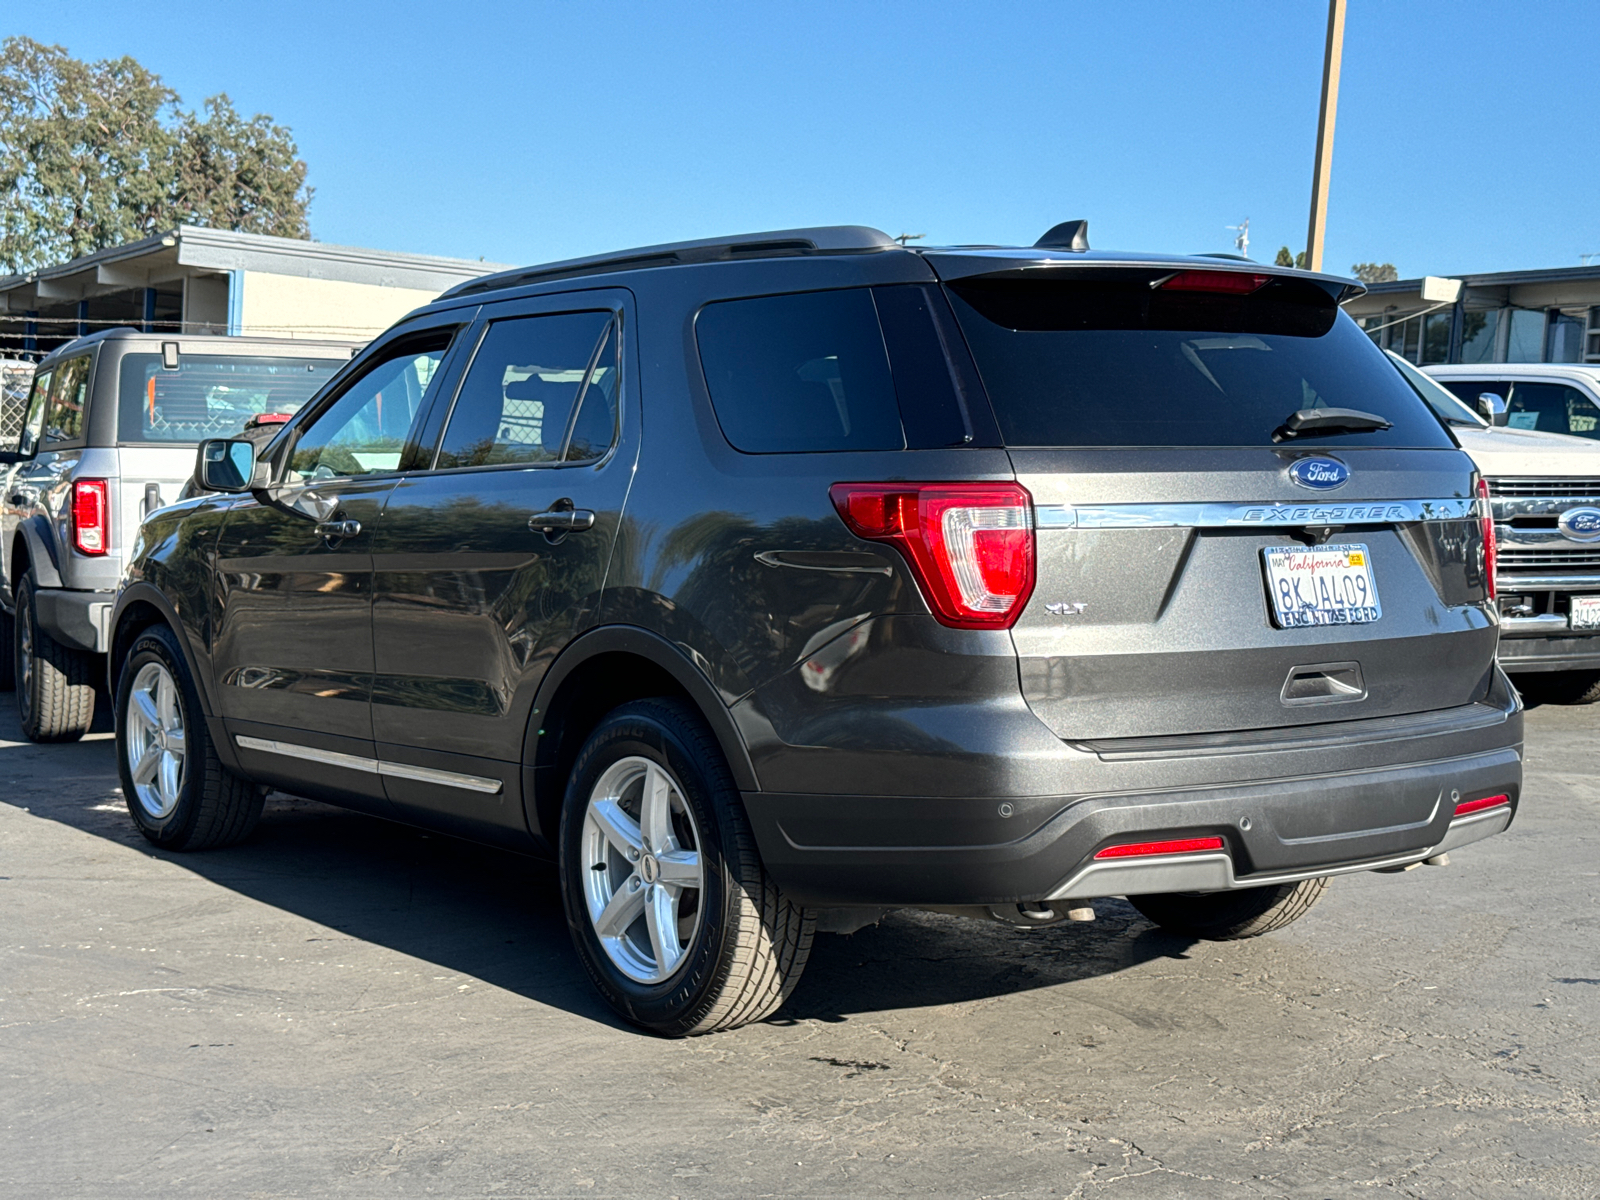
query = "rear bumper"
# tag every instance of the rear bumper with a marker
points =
(831, 850)
(1550, 652)
(79, 619)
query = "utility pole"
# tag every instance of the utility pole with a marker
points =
(1324, 165)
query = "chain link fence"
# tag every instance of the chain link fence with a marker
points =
(15, 379)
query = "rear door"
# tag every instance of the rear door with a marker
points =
(1203, 567)
(490, 560)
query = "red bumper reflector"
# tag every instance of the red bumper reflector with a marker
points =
(1472, 806)
(1180, 846)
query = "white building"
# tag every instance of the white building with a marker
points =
(196, 280)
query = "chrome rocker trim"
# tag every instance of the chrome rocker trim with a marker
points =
(1261, 515)
(1214, 872)
(373, 766)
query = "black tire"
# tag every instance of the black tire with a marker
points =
(1561, 687)
(8, 652)
(214, 807)
(54, 683)
(750, 943)
(1228, 916)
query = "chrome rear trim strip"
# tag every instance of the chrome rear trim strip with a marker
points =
(373, 766)
(1546, 623)
(1265, 514)
(1506, 582)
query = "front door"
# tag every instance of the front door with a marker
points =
(292, 642)
(490, 562)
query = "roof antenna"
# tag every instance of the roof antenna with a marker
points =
(903, 238)
(1069, 235)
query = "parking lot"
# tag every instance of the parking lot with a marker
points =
(348, 1006)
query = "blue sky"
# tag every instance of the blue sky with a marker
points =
(526, 132)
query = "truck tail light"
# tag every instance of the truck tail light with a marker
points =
(1491, 556)
(969, 545)
(1179, 846)
(91, 516)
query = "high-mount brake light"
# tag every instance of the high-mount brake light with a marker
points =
(1177, 846)
(91, 516)
(1491, 553)
(969, 545)
(1232, 283)
(1472, 806)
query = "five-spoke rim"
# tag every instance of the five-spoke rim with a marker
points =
(156, 746)
(642, 873)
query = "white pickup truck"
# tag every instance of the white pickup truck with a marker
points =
(1544, 489)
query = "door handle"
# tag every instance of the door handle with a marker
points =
(334, 530)
(557, 520)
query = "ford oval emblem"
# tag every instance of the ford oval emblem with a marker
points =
(1321, 474)
(1581, 524)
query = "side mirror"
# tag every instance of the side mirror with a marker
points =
(1493, 407)
(8, 457)
(226, 465)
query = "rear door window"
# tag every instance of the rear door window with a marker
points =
(540, 389)
(69, 394)
(797, 373)
(1121, 359)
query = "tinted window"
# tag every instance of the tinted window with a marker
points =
(1469, 390)
(1116, 361)
(209, 395)
(364, 431)
(799, 373)
(1552, 408)
(69, 393)
(529, 378)
(33, 416)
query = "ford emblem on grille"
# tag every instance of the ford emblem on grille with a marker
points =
(1322, 474)
(1581, 524)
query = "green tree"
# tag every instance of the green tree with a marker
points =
(1284, 259)
(95, 154)
(1375, 272)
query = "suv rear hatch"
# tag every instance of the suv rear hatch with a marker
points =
(1203, 565)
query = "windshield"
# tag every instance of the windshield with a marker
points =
(211, 395)
(1437, 397)
(1117, 359)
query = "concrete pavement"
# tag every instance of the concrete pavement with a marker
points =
(347, 1007)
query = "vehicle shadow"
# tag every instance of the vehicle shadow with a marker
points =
(496, 915)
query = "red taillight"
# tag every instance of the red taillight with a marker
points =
(1233, 283)
(1472, 806)
(970, 545)
(1491, 556)
(91, 516)
(1180, 846)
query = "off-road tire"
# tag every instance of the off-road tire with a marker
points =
(1228, 916)
(752, 942)
(216, 808)
(8, 652)
(1561, 687)
(57, 702)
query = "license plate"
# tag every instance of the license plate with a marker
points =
(1322, 585)
(1586, 612)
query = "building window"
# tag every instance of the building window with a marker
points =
(1563, 341)
(1592, 353)
(1478, 333)
(1526, 341)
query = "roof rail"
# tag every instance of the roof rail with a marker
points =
(826, 239)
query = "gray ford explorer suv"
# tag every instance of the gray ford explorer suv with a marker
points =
(107, 435)
(772, 582)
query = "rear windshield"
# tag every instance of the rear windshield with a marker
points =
(1116, 360)
(211, 395)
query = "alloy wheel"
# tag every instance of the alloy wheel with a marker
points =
(157, 746)
(643, 874)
